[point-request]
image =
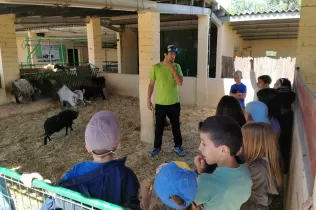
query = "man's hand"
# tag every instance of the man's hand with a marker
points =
(178, 79)
(200, 164)
(149, 104)
(167, 63)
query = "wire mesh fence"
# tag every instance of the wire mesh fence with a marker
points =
(72, 79)
(14, 195)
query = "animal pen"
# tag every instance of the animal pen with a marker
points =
(14, 195)
(34, 50)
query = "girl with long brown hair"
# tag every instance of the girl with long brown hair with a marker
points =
(260, 153)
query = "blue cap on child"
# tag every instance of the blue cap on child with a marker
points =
(175, 180)
(258, 111)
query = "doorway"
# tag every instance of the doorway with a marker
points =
(73, 57)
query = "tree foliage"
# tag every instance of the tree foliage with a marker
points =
(250, 6)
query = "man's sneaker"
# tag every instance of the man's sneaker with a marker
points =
(154, 152)
(179, 151)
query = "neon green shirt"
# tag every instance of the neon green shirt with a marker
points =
(167, 92)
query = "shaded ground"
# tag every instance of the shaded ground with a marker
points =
(21, 145)
(22, 139)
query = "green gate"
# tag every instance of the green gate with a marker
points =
(15, 196)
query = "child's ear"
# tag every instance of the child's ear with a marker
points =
(87, 148)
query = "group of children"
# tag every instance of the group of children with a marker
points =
(266, 135)
(244, 152)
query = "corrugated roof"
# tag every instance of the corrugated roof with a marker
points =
(295, 8)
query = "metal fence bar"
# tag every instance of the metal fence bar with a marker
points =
(72, 197)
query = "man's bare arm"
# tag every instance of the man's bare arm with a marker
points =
(151, 87)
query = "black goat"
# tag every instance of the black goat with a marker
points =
(96, 90)
(62, 120)
(99, 81)
(92, 92)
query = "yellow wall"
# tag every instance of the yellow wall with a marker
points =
(230, 40)
(22, 53)
(227, 39)
(283, 47)
(306, 44)
(111, 54)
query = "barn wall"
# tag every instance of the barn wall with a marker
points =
(127, 85)
(303, 157)
(283, 47)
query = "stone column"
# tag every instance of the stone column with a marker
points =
(95, 43)
(202, 67)
(119, 53)
(9, 64)
(219, 52)
(149, 54)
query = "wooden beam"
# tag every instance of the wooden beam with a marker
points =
(272, 33)
(265, 25)
(111, 27)
(290, 29)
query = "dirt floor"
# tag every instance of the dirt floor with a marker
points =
(22, 139)
(22, 149)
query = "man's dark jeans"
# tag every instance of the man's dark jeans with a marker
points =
(173, 113)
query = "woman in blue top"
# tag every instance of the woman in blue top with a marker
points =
(239, 90)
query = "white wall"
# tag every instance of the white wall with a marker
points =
(188, 91)
(128, 85)
(122, 84)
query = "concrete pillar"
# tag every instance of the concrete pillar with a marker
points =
(32, 44)
(129, 52)
(9, 64)
(203, 68)
(149, 54)
(119, 53)
(306, 43)
(95, 43)
(219, 51)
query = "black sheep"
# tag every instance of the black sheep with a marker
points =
(92, 92)
(62, 120)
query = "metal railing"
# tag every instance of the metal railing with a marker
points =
(14, 195)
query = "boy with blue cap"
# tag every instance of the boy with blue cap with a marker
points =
(257, 111)
(174, 187)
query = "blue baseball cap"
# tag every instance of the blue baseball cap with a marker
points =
(258, 111)
(171, 48)
(174, 179)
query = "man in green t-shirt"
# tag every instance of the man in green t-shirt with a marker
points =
(167, 76)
